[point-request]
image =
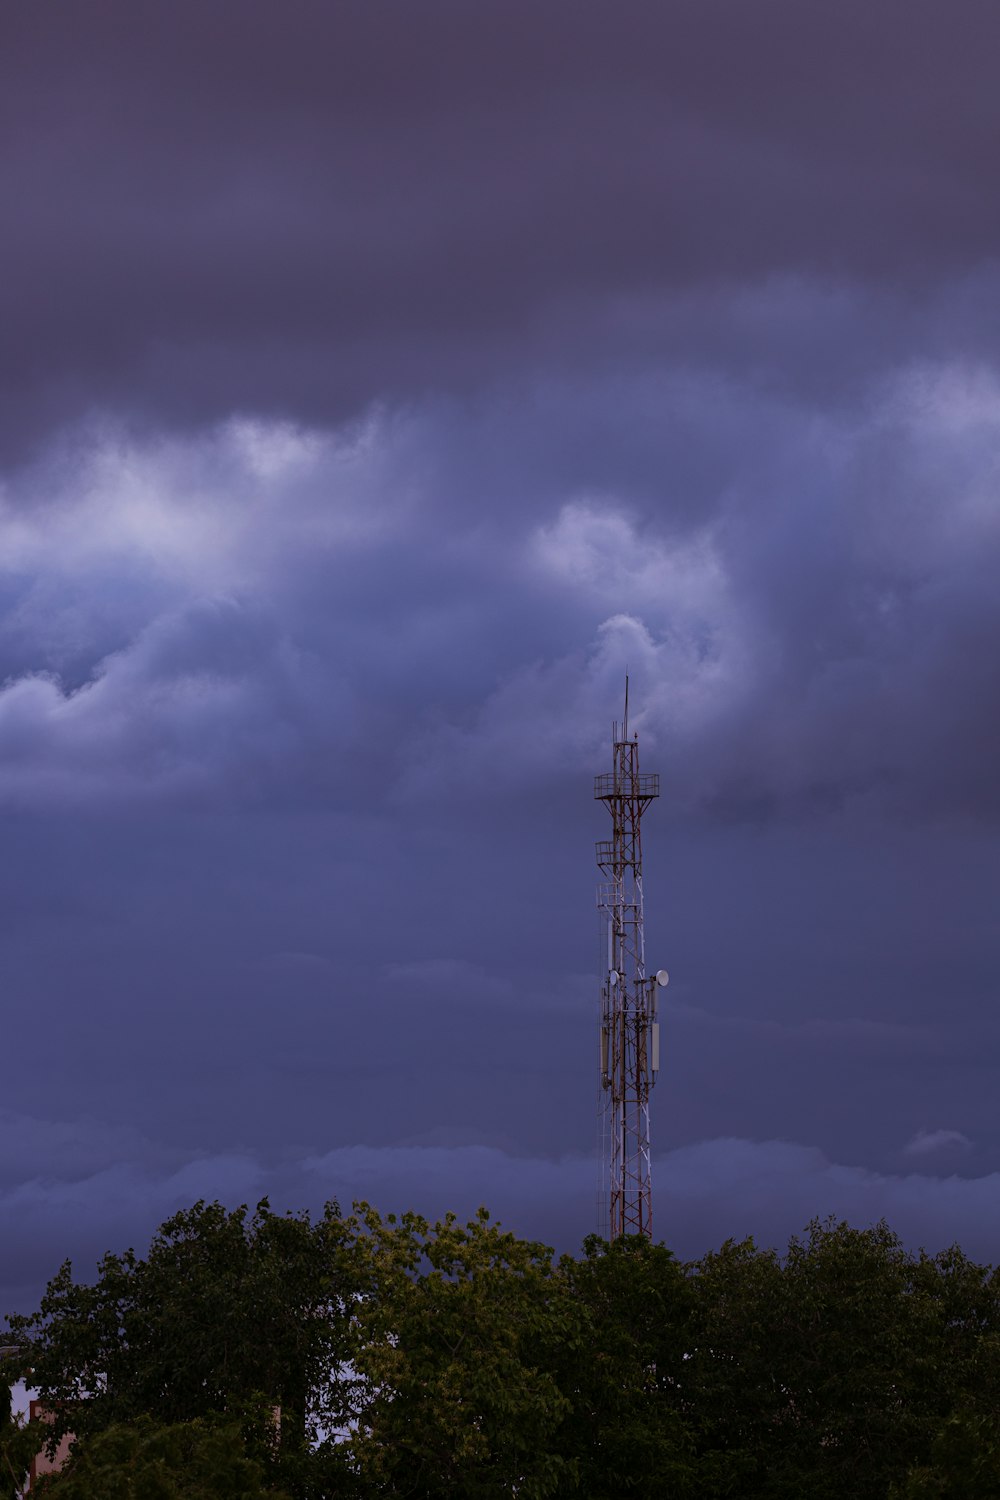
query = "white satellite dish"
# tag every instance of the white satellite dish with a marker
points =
(662, 977)
(613, 977)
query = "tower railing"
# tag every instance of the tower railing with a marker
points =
(610, 784)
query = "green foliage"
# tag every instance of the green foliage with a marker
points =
(228, 1312)
(629, 1396)
(199, 1460)
(19, 1442)
(459, 1361)
(10, 1479)
(964, 1462)
(828, 1374)
(459, 1338)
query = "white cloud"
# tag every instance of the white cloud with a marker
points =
(217, 510)
(199, 693)
(596, 546)
(930, 1142)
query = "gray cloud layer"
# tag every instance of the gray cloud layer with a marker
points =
(769, 1188)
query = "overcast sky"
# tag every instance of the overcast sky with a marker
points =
(376, 382)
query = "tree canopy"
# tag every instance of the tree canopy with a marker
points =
(146, 1460)
(383, 1356)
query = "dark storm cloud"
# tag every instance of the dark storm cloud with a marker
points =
(299, 208)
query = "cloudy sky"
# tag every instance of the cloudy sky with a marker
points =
(378, 380)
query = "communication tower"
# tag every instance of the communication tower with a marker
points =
(630, 1032)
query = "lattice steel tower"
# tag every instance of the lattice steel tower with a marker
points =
(630, 1033)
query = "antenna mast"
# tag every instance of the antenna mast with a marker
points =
(630, 1033)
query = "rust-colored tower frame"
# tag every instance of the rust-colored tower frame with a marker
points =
(630, 1036)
